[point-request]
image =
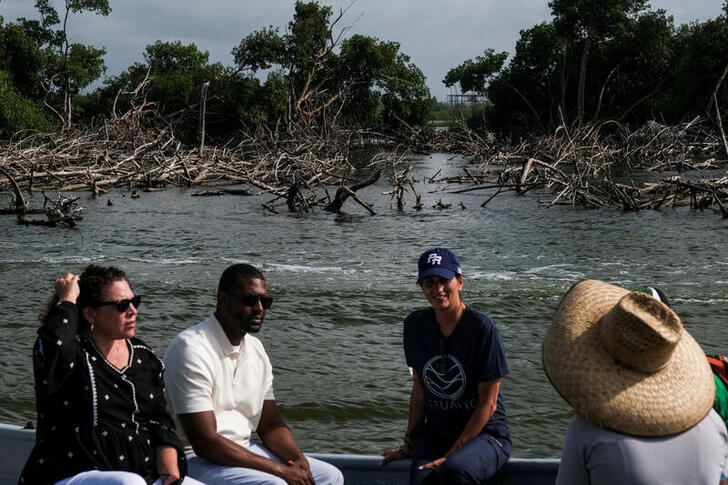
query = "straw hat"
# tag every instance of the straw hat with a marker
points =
(624, 362)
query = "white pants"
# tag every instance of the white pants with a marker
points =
(96, 477)
(207, 472)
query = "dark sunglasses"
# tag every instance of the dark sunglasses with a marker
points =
(122, 305)
(252, 300)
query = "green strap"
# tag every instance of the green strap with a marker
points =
(721, 399)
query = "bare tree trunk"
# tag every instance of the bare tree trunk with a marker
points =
(67, 105)
(563, 80)
(203, 107)
(580, 95)
(717, 109)
(601, 93)
(20, 203)
(525, 100)
(66, 73)
(719, 120)
(643, 98)
(715, 90)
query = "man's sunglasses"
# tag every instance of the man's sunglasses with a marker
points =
(122, 305)
(252, 300)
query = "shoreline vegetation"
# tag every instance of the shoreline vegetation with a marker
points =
(588, 166)
(608, 104)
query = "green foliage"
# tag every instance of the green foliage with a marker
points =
(643, 56)
(23, 62)
(406, 98)
(22, 59)
(538, 54)
(596, 60)
(700, 60)
(259, 50)
(85, 64)
(69, 67)
(100, 7)
(49, 15)
(307, 40)
(473, 75)
(177, 72)
(364, 66)
(365, 80)
(309, 72)
(590, 19)
(17, 112)
(447, 114)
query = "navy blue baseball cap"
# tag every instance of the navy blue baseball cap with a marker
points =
(438, 261)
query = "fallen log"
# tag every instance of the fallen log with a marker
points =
(344, 192)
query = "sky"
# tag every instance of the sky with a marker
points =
(436, 34)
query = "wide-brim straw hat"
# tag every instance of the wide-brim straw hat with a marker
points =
(625, 363)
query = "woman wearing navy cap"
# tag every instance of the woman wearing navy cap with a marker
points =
(456, 431)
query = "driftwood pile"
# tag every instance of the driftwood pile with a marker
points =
(589, 166)
(139, 151)
(594, 166)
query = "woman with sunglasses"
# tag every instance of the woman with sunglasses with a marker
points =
(102, 414)
(456, 431)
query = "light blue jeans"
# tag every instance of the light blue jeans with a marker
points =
(207, 472)
(96, 477)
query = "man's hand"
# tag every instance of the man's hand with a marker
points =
(433, 465)
(301, 462)
(294, 475)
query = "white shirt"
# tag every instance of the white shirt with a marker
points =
(204, 372)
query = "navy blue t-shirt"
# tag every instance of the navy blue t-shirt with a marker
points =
(451, 368)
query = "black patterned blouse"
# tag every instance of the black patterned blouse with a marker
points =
(92, 415)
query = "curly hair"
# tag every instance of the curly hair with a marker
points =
(92, 282)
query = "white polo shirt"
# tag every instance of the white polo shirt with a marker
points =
(204, 372)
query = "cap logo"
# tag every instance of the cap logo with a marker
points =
(434, 259)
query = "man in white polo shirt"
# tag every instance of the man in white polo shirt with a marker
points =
(219, 383)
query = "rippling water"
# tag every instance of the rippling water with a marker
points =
(344, 283)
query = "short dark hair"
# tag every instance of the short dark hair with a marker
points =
(229, 279)
(91, 282)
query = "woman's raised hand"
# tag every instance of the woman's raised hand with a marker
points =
(67, 288)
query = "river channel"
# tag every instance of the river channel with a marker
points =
(343, 283)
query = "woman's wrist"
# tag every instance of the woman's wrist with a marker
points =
(404, 451)
(406, 447)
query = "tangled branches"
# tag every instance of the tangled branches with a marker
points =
(139, 150)
(589, 165)
(594, 165)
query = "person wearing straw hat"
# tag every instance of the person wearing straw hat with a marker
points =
(641, 389)
(456, 430)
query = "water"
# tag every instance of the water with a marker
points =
(344, 283)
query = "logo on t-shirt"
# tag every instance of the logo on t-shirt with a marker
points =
(444, 376)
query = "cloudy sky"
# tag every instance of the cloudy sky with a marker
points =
(436, 34)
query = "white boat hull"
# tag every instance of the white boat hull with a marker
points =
(16, 443)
